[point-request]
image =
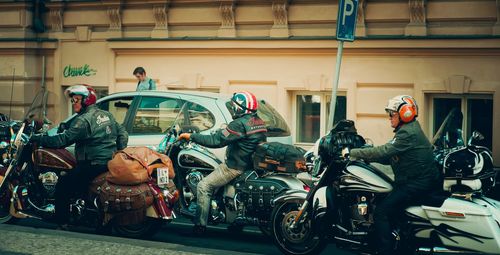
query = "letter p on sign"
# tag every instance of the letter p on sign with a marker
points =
(346, 19)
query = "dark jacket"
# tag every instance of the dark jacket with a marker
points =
(241, 136)
(96, 136)
(410, 155)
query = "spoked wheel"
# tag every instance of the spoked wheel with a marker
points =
(300, 239)
(146, 228)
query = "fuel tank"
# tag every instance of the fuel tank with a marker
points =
(360, 176)
(197, 157)
(54, 158)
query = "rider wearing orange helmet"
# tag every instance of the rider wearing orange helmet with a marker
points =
(410, 155)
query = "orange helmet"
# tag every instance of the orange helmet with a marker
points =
(405, 106)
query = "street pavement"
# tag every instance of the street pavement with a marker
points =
(29, 236)
(28, 240)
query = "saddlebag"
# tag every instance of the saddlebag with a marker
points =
(134, 165)
(278, 157)
(124, 204)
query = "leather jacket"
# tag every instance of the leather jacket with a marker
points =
(241, 136)
(96, 136)
(410, 155)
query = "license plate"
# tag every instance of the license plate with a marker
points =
(162, 176)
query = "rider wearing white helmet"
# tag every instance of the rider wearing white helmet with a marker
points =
(411, 157)
(96, 136)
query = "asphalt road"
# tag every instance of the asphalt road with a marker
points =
(175, 236)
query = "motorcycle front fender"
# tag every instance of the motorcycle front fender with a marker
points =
(291, 195)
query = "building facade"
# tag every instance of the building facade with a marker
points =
(445, 53)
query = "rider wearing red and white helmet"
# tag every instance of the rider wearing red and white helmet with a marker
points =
(410, 155)
(241, 137)
(96, 136)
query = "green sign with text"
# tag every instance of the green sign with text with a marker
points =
(85, 70)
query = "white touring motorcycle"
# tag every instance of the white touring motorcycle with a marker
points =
(340, 207)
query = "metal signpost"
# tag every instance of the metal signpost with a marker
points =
(346, 25)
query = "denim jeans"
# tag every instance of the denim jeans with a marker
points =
(218, 178)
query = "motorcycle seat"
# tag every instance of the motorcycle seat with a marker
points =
(246, 175)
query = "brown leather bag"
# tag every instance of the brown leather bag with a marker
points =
(119, 198)
(133, 165)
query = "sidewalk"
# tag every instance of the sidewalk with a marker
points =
(19, 240)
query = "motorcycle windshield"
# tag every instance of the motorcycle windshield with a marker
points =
(38, 108)
(449, 134)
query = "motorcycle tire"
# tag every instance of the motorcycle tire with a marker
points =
(300, 241)
(147, 228)
(5, 216)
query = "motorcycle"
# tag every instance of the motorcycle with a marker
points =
(340, 207)
(27, 185)
(247, 200)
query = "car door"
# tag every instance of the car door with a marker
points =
(151, 118)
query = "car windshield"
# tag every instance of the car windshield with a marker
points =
(275, 124)
(449, 134)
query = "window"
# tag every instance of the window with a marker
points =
(200, 117)
(312, 115)
(477, 113)
(117, 106)
(155, 115)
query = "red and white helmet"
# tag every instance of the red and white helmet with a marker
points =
(244, 102)
(88, 94)
(405, 106)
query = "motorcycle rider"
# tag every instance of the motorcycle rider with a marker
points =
(411, 157)
(241, 137)
(96, 136)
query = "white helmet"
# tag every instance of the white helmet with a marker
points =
(405, 106)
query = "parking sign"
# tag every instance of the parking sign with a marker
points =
(346, 19)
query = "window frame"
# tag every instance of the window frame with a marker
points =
(463, 108)
(323, 110)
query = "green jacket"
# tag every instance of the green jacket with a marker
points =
(96, 136)
(410, 155)
(241, 136)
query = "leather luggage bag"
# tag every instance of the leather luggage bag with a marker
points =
(133, 165)
(278, 157)
(125, 204)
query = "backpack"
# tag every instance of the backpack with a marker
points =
(150, 84)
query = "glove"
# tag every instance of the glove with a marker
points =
(184, 136)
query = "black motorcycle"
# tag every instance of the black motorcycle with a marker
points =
(247, 200)
(340, 207)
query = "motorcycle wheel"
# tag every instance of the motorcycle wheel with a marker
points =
(5, 216)
(300, 241)
(147, 228)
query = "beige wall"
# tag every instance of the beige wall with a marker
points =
(273, 48)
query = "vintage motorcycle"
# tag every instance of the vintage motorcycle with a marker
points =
(27, 185)
(340, 207)
(247, 200)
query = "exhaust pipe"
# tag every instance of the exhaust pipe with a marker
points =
(441, 250)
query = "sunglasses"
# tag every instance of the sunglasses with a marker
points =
(75, 100)
(392, 114)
